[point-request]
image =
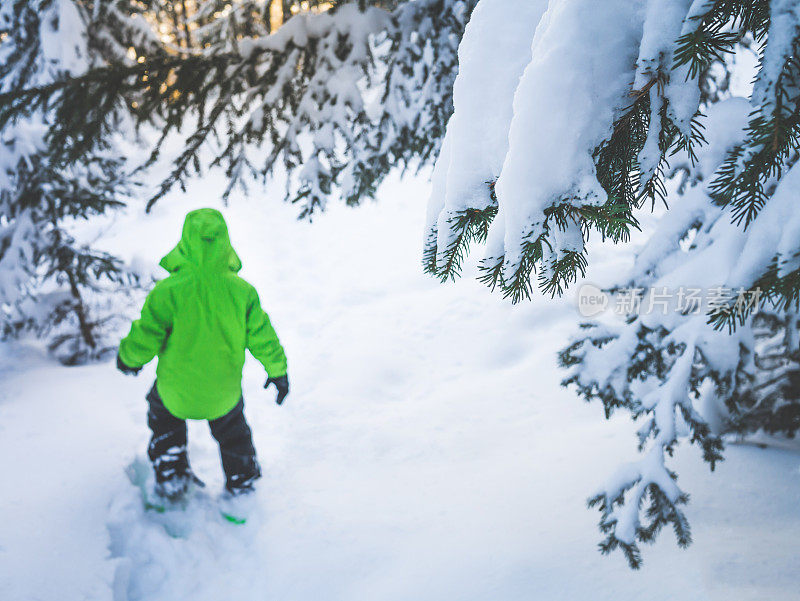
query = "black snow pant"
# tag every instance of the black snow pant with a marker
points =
(168, 453)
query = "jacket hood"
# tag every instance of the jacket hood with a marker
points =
(204, 244)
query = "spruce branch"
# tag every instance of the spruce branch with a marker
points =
(772, 140)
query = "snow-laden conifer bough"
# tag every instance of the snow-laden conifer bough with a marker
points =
(619, 105)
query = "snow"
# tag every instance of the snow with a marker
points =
(564, 107)
(60, 28)
(497, 49)
(494, 49)
(385, 478)
(725, 123)
(662, 26)
(784, 27)
(349, 20)
(789, 241)
(776, 222)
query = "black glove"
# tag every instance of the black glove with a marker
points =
(281, 384)
(127, 370)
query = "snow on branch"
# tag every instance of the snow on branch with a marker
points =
(51, 282)
(615, 98)
(675, 370)
(610, 93)
(302, 97)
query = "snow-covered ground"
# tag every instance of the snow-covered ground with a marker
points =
(426, 451)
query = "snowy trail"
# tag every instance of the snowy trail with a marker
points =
(426, 450)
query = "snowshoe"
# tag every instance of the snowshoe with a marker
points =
(174, 488)
(160, 497)
(236, 504)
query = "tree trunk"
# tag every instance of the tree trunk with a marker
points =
(80, 311)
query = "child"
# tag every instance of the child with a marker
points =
(199, 321)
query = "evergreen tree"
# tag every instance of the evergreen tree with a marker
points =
(295, 98)
(421, 59)
(221, 24)
(670, 367)
(51, 282)
(617, 97)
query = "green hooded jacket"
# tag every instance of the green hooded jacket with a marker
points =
(199, 321)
